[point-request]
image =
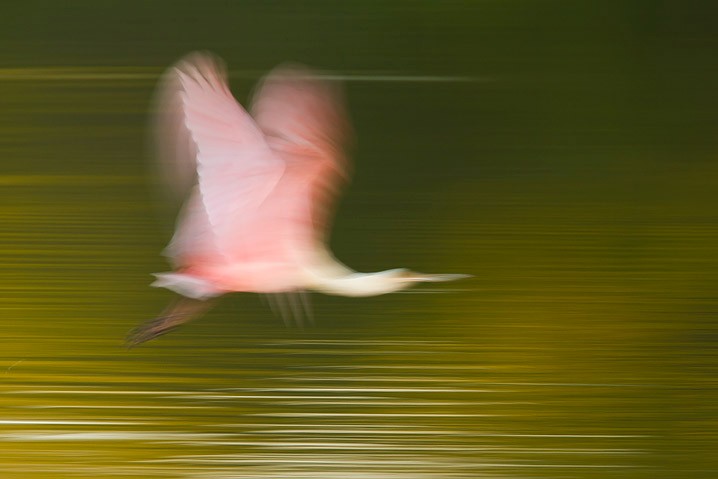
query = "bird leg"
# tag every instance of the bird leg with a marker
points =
(290, 305)
(295, 308)
(178, 312)
(276, 305)
(306, 305)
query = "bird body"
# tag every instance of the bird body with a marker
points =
(258, 188)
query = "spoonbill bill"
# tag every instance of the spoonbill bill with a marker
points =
(257, 190)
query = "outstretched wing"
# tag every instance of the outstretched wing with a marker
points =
(263, 186)
(235, 168)
(305, 123)
(174, 150)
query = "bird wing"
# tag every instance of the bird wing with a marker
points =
(235, 168)
(305, 123)
(174, 151)
(264, 186)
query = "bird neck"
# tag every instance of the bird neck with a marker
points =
(362, 284)
(325, 274)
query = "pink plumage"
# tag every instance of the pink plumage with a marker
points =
(254, 215)
(259, 189)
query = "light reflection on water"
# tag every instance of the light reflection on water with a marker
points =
(347, 418)
(582, 349)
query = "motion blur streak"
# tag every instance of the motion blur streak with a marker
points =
(577, 183)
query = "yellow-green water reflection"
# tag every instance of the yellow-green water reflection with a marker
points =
(583, 347)
(581, 196)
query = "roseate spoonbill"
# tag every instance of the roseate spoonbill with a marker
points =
(259, 190)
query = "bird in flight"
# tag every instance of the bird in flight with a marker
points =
(257, 190)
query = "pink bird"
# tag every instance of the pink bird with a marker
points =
(259, 190)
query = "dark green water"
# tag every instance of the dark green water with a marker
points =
(565, 155)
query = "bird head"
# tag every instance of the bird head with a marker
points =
(416, 277)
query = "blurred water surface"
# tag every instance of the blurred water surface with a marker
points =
(580, 192)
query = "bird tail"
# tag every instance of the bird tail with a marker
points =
(187, 285)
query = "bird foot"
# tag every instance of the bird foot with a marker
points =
(148, 331)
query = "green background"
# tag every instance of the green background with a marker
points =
(562, 152)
